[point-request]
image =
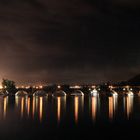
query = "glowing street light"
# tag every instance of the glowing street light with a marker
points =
(93, 86)
(1, 87)
(41, 87)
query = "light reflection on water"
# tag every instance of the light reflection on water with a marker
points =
(33, 107)
(37, 108)
(128, 106)
(76, 108)
(22, 107)
(5, 106)
(60, 105)
(112, 107)
(28, 106)
(94, 105)
(58, 109)
(40, 108)
(36, 105)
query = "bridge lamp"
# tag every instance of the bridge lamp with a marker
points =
(131, 89)
(1, 87)
(40, 87)
(27, 87)
(93, 86)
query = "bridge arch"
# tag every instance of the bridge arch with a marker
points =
(40, 93)
(59, 93)
(77, 93)
(21, 93)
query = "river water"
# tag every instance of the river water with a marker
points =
(80, 117)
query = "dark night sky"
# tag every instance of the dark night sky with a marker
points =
(69, 41)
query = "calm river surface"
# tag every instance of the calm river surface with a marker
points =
(69, 117)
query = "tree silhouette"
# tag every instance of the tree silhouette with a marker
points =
(8, 86)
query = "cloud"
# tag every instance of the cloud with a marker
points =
(67, 41)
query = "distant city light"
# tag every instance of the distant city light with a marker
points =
(58, 86)
(93, 86)
(41, 87)
(131, 89)
(111, 87)
(76, 87)
(127, 87)
(27, 87)
(124, 89)
(1, 87)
